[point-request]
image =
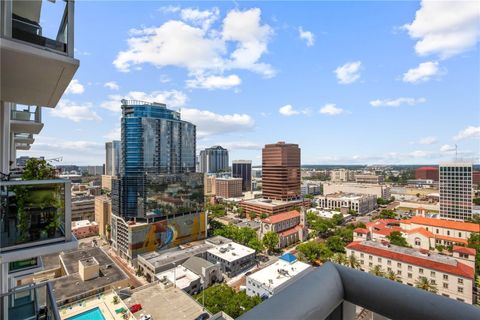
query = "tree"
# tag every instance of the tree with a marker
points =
(425, 284)
(38, 169)
(336, 244)
(271, 240)
(256, 245)
(474, 242)
(377, 271)
(476, 201)
(252, 215)
(221, 297)
(397, 239)
(353, 262)
(263, 216)
(313, 252)
(392, 275)
(337, 219)
(387, 214)
(339, 258)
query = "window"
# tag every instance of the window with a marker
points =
(370, 257)
(445, 295)
(445, 285)
(361, 255)
(460, 289)
(448, 232)
(459, 234)
(445, 277)
(432, 273)
(460, 299)
(399, 272)
(460, 281)
(420, 270)
(379, 259)
(399, 265)
(409, 268)
(409, 275)
(433, 281)
(389, 262)
(370, 264)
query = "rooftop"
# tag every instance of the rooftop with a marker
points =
(231, 251)
(346, 196)
(195, 264)
(181, 276)
(290, 231)
(360, 230)
(457, 225)
(269, 203)
(157, 259)
(217, 240)
(465, 250)
(408, 255)
(279, 217)
(278, 273)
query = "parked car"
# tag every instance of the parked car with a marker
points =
(135, 308)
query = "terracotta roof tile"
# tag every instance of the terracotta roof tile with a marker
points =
(290, 231)
(360, 230)
(276, 218)
(465, 250)
(442, 223)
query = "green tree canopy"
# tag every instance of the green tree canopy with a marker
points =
(38, 169)
(271, 240)
(425, 284)
(397, 239)
(313, 251)
(335, 244)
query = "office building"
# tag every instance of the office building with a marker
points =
(452, 276)
(427, 173)
(310, 188)
(290, 227)
(342, 175)
(232, 257)
(35, 72)
(243, 169)
(103, 215)
(213, 160)
(209, 184)
(269, 206)
(112, 158)
(360, 203)
(380, 191)
(368, 178)
(281, 171)
(456, 191)
(277, 276)
(83, 208)
(228, 187)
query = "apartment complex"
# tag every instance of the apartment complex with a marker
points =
(368, 178)
(452, 276)
(243, 169)
(426, 173)
(228, 187)
(378, 190)
(342, 175)
(112, 158)
(213, 160)
(35, 72)
(360, 203)
(281, 171)
(456, 191)
(290, 227)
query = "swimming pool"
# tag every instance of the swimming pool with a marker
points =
(92, 314)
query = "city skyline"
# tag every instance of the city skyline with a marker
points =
(267, 72)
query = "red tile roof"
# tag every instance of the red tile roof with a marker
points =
(422, 231)
(465, 250)
(457, 225)
(290, 231)
(276, 218)
(460, 269)
(451, 239)
(360, 230)
(386, 230)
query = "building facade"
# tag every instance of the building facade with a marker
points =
(427, 173)
(103, 216)
(342, 175)
(228, 187)
(213, 160)
(83, 208)
(360, 203)
(233, 257)
(243, 169)
(368, 178)
(290, 227)
(281, 171)
(380, 191)
(112, 158)
(456, 191)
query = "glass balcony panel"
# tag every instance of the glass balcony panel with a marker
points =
(31, 211)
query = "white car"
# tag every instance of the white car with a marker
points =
(145, 317)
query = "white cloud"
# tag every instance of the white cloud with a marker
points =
(169, 9)
(308, 36)
(288, 110)
(240, 145)
(200, 18)
(424, 72)
(172, 98)
(397, 102)
(214, 82)
(467, 133)
(349, 72)
(75, 87)
(74, 111)
(209, 123)
(331, 109)
(114, 134)
(112, 85)
(447, 148)
(239, 44)
(446, 28)
(427, 141)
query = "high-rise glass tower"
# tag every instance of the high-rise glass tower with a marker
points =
(112, 158)
(243, 169)
(456, 191)
(213, 160)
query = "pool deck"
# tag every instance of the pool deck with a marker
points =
(103, 301)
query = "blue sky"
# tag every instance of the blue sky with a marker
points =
(351, 82)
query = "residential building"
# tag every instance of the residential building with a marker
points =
(103, 216)
(281, 171)
(84, 229)
(378, 190)
(427, 173)
(106, 183)
(35, 72)
(310, 188)
(228, 187)
(369, 178)
(342, 175)
(290, 227)
(243, 169)
(360, 203)
(269, 206)
(213, 160)
(83, 208)
(112, 158)
(452, 276)
(233, 257)
(277, 276)
(456, 191)
(209, 184)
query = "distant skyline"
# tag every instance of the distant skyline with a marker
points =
(350, 82)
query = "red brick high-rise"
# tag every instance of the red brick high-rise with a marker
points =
(428, 173)
(281, 171)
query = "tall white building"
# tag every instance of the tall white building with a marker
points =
(35, 215)
(112, 158)
(456, 190)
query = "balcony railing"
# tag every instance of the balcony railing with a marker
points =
(23, 22)
(332, 292)
(33, 213)
(27, 113)
(30, 302)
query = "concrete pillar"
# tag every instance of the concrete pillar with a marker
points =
(5, 138)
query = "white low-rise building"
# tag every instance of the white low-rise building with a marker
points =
(233, 257)
(182, 278)
(272, 279)
(360, 203)
(379, 190)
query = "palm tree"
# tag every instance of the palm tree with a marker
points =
(340, 258)
(392, 276)
(426, 285)
(353, 262)
(377, 271)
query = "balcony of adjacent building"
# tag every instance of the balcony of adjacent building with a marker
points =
(37, 59)
(336, 292)
(29, 302)
(35, 218)
(26, 120)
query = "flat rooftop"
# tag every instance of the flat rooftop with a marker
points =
(271, 202)
(157, 259)
(72, 285)
(217, 240)
(231, 251)
(169, 303)
(179, 275)
(278, 273)
(346, 196)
